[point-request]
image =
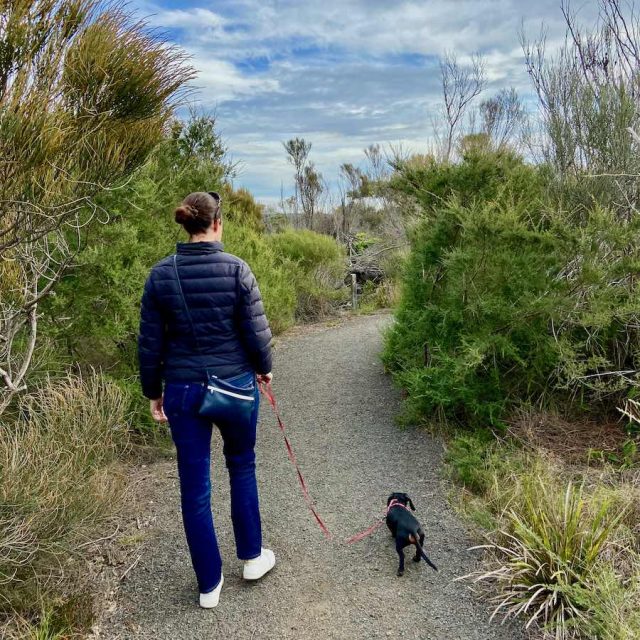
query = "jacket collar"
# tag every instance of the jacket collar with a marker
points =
(198, 248)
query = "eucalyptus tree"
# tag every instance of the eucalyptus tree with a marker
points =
(309, 183)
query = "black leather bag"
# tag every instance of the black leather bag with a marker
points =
(223, 400)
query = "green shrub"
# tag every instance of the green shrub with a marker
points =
(271, 271)
(240, 207)
(482, 176)
(311, 252)
(94, 316)
(385, 294)
(472, 461)
(57, 481)
(99, 300)
(505, 302)
(472, 328)
(315, 264)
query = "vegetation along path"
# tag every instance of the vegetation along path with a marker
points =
(339, 408)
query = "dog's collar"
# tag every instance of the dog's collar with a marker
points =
(396, 503)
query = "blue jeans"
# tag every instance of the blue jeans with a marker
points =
(191, 434)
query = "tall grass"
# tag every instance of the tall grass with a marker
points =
(58, 478)
(549, 553)
(563, 555)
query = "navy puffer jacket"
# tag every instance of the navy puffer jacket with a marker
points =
(232, 331)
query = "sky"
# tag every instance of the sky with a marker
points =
(343, 74)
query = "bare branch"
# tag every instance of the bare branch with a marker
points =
(460, 86)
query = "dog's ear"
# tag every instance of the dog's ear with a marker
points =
(411, 504)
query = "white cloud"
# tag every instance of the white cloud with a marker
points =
(219, 80)
(342, 74)
(196, 18)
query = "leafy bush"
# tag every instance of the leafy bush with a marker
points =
(316, 266)
(505, 302)
(374, 297)
(94, 316)
(87, 93)
(96, 309)
(274, 278)
(310, 251)
(57, 481)
(242, 208)
(461, 345)
(472, 460)
(483, 175)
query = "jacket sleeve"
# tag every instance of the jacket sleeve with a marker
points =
(151, 343)
(253, 324)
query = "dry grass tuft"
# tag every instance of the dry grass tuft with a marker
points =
(571, 440)
(58, 479)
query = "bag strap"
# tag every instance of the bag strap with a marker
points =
(184, 303)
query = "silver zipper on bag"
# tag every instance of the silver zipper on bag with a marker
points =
(230, 393)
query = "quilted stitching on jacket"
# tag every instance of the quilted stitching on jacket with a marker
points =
(228, 315)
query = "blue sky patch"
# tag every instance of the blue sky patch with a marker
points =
(343, 75)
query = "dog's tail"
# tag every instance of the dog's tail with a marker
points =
(425, 557)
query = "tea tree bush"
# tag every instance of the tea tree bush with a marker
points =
(86, 92)
(506, 300)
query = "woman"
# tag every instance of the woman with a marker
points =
(202, 314)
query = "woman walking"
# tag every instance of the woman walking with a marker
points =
(204, 338)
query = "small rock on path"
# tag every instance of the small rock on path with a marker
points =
(339, 408)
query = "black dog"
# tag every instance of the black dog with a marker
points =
(405, 528)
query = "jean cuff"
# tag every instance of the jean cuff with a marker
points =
(214, 587)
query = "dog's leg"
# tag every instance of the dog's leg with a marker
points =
(400, 550)
(417, 557)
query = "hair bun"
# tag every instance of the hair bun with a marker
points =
(197, 212)
(186, 213)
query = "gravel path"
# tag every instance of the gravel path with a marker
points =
(339, 408)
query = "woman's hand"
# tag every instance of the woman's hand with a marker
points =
(265, 378)
(157, 412)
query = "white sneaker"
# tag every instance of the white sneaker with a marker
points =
(256, 568)
(211, 599)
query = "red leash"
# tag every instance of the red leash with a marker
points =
(367, 532)
(374, 527)
(267, 391)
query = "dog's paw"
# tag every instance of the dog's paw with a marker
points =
(400, 573)
(416, 558)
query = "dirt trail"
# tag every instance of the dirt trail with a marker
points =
(339, 408)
